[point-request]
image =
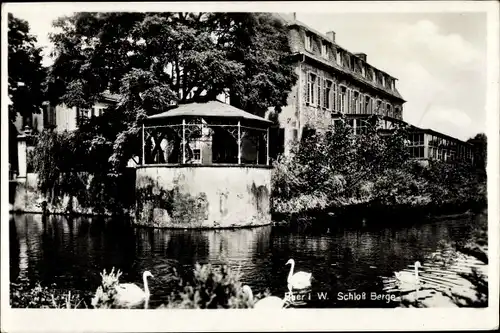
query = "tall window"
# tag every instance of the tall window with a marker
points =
(356, 104)
(352, 101)
(49, 116)
(319, 101)
(334, 97)
(389, 110)
(361, 126)
(309, 42)
(378, 109)
(312, 91)
(338, 58)
(327, 94)
(368, 105)
(324, 50)
(343, 99)
(397, 112)
(82, 115)
(416, 145)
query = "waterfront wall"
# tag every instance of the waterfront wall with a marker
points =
(114, 198)
(202, 196)
(28, 198)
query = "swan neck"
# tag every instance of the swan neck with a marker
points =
(250, 294)
(146, 288)
(292, 266)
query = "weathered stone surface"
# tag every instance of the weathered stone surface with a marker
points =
(202, 197)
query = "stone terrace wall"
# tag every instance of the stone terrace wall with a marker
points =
(203, 196)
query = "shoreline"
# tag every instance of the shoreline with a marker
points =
(359, 214)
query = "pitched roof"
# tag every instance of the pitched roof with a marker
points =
(290, 21)
(208, 109)
(357, 76)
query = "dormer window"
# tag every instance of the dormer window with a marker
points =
(309, 42)
(324, 50)
(338, 58)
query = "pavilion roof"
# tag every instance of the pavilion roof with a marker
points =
(208, 109)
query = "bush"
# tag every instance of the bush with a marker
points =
(104, 297)
(209, 287)
(23, 295)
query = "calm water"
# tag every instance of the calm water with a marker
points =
(72, 253)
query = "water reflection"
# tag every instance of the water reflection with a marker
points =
(73, 251)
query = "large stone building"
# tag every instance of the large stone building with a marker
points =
(333, 81)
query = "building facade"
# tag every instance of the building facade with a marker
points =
(63, 118)
(334, 82)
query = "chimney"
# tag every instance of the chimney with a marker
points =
(331, 36)
(294, 16)
(361, 56)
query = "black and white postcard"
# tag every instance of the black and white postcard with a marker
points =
(250, 166)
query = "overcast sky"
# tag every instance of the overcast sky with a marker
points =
(438, 58)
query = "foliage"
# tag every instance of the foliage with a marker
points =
(104, 297)
(479, 141)
(25, 296)
(154, 59)
(71, 163)
(26, 74)
(338, 168)
(209, 287)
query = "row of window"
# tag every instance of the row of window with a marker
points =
(439, 148)
(351, 62)
(325, 93)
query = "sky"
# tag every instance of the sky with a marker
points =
(438, 58)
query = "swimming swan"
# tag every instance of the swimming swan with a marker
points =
(409, 282)
(130, 294)
(408, 279)
(269, 302)
(299, 280)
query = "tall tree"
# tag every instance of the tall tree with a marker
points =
(480, 150)
(153, 59)
(26, 74)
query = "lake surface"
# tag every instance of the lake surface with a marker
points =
(71, 252)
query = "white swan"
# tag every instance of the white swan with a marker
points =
(269, 302)
(130, 294)
(299, 280)
(408, 279)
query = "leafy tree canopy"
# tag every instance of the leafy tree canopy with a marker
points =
(26, 74)
(154, 59)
